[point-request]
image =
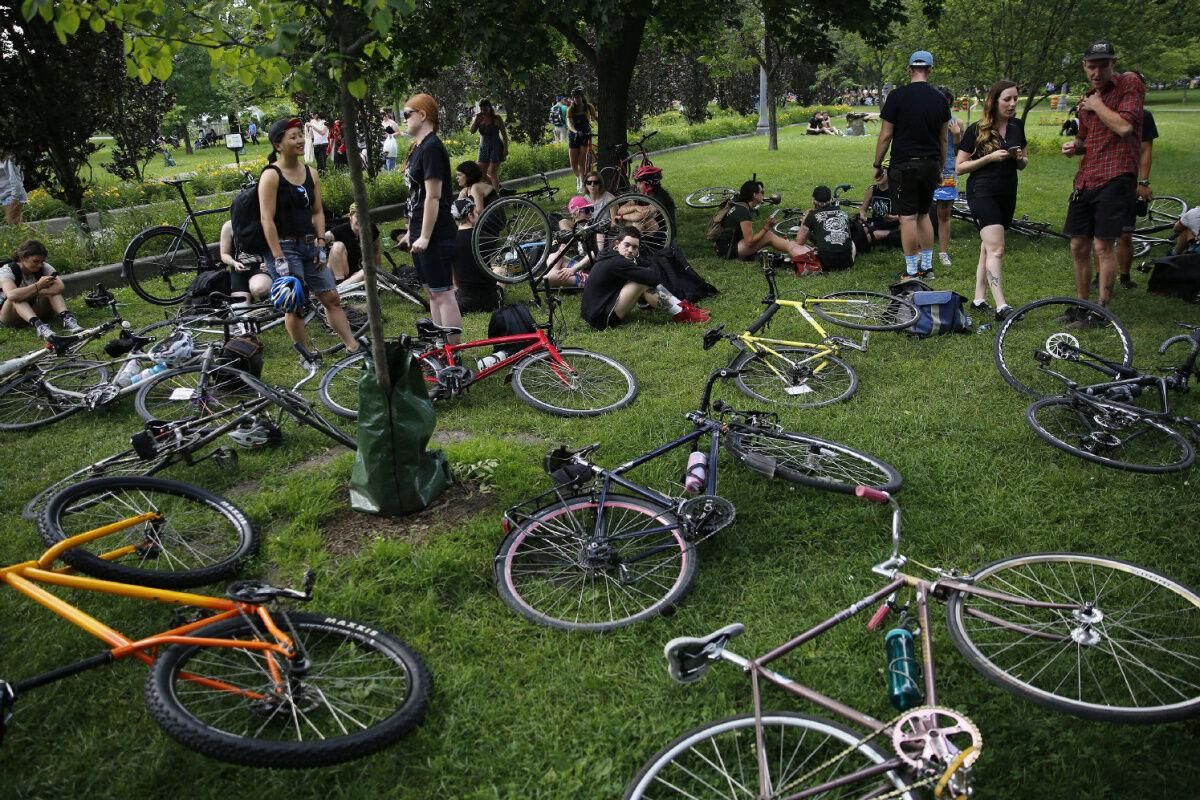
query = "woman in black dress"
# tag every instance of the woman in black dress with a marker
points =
(992, 151)
(493, 141)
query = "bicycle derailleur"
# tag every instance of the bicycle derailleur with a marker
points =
(705, 515)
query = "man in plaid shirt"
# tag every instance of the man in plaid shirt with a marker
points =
(1105, 185)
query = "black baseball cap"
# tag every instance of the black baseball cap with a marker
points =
(1100, 50)
(281, 127)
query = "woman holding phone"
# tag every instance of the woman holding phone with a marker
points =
(992, 151)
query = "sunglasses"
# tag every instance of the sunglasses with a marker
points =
(406, 113)
(591, 183)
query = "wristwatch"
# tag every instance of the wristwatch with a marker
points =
(1144, 182)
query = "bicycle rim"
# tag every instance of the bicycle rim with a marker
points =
(339, 387)
(810, 461)
(589, 383)
(36, 398)
(1165, 208)
(1109, 436)
(796, 376)
(867, 311)
(710, 197)
(511, 240)
(646, 214)
(159, 265)
(177, 394)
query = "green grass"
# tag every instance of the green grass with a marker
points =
(523, 712)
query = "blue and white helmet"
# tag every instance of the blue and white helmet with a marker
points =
(174, 351)
(287, 294)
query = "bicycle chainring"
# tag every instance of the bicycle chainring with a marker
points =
(705, 515)
(929, 738)
(454, 380)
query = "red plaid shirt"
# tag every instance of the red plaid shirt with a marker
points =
(1107, 155)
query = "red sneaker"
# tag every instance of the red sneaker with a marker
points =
(690, 313)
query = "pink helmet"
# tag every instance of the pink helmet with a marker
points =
(578, 202)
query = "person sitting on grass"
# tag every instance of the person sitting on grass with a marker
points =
(832, 247)
(879, 214)
(570, 262)
(31, 291)
(738, 238)
(248, 279)
(475, 290)
(345, 250)
(1187, 232)
(617, 283)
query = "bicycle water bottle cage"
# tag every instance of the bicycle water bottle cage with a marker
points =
(688, 658)
(427, 328)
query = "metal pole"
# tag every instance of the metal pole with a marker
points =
(764, 126)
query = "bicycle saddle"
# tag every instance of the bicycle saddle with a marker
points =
(427, 327)
(57, 342)
(688, 657)
(125, 343)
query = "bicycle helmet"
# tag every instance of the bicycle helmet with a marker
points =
(578, 203)
(461, 208)
(98, 297)
(174, 351)
(261, 433)
(649, 173)
(287, 294)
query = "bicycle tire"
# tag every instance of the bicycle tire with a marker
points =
(511, 240)
(614, 180)
(810, 461)
(724, 753)
(1109, 436)
(789, 226)
(359, 677)
(1146, 618)
(656, 225)
(199, 538)
(354, 306)
(1165, 209)
(29, 401)
(539, 573)
(172, 395)
(867, 311)
(598, 384)
(389, 282)
(203, 328)
(299, 409)
(1043, 325)
(1035, 229)
(709, 197)
(338, 389)
(160, 263)
(811, 378)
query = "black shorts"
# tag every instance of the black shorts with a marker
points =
(239, 280)
(435, 266)
(476, 299)
(992, 205)
(1104, 212)
(915, 182)
(575, 139)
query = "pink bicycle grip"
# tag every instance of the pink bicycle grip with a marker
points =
(878, 617)
(874, 495)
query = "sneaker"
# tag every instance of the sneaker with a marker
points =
(43, 330)
(1003, 313)
(1087, 320)
(980, 305)
(1071, 316)
(69, 323)
(1127, 282)
(944, 258)
(691, 314)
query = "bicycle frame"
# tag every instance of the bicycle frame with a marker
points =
(193, 216)
(530, 343)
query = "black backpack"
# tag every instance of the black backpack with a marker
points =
(511, 320)
(207, 282)
(247, 225)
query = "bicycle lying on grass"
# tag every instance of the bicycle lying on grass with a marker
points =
(566, 381)
(235, 679)
(599, 552)
(808, 374)
(1086, 635)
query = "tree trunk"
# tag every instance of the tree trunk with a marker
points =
(615, 60)
(772, 121)
(187, 140)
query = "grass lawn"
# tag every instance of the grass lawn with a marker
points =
(524, 712)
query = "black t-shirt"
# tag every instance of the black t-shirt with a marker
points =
(1149, 129)
(917, 112)
(731, 228)
(429, 160)
(608, 276)
(468, 277)
(829, 229)
(346, 235)
(293, 206)
(1001, 172)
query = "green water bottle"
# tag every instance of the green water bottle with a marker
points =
(903, 672)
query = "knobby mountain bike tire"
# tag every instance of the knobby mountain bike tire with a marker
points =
(594, 383)
(160, 264)
(1109, 436)
(720, 759)
(710, 197)
(1128, 653)
(1049, 326)
(511, 240)
(36, 397)
(359, 691)
(810, 461)
(866, 311)
(198, 537)
(640, 567)
(796, 376)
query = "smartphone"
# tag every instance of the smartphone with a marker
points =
(1014, 151)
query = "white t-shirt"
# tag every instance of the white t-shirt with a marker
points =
(12, 272)
(390, 148)
(1191, 221)
(320, 132)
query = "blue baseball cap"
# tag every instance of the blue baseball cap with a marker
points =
(921, 58)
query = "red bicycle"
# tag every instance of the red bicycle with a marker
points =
(568, 381)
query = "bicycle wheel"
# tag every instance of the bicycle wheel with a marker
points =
(614, 180)
(205, 329)
(1052, 326)
(176, 394)
(1127, 653)
(351, 691)
(1109, 436)
(547, 571)
(865, 311)
(511, 240)
(810, 461)
(642, 212)
(798, 376)
(591, 384)
(339, 386)
(1165, 208)
(720, 760)
(160, 263)
(197, 537)
(37, 398)
(710, 197)
(300, 410)
(789, 226)
(128, 462)
(354, 306)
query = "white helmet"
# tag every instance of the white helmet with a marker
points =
(174, 351)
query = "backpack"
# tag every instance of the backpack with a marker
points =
(556, 116)
(1177, 276)
(247, 226)
(244, 353)
(716, 225)
(938, 313)
(510, 320)
(204, 284)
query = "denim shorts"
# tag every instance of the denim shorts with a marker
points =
(302, 262)
(12, 192)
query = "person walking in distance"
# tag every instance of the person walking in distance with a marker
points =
(580, 116)
(1110, 116)
(493, 141)
(12, 188)
(916, 120)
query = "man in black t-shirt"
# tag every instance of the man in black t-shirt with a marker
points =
(345, 251)
(915, 118)
(617, 283)
(832, 246)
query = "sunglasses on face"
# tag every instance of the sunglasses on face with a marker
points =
(591, 183)
(406, 113)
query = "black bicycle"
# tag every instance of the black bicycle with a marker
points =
(599, 551)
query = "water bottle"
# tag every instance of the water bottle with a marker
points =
(126, 376)
(150, 372)
(903, 672)
(490, 361)
(697, 472)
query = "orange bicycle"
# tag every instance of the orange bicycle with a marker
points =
(238, 680)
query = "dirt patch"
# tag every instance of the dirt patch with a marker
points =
(348, 531)
(449, 437)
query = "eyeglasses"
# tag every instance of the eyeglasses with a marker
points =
(586, 211)
(591, 183)
(406, 113)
